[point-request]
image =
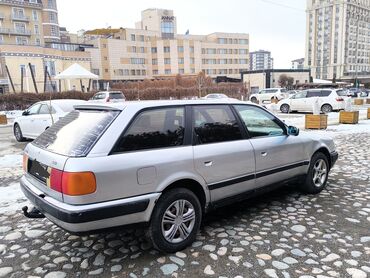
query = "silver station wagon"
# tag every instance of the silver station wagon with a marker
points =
(165, 164)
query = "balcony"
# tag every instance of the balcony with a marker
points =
(15, 3)
(20, 17)
(18, 32)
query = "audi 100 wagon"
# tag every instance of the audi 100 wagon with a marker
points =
(165, 164)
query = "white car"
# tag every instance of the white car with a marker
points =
(269, 95)
(328, 100)
(109, 96)
(215, 96)
(40, 116)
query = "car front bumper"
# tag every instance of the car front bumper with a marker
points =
(91, 217)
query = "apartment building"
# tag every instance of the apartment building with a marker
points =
(338, 39)
(155, 49)
(261, 60)
(21, 22)
(298, 63)
(50, 21)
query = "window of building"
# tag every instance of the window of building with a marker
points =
(142, 49)
(35, 15)
(167, 61)
(191, 49)
(53, 17)
(192, 61)
(180, 49)
(154, 129)
(167, 29)
(155, 72)
(106, 70)
(141, 38)
(138, 72)
(167, 71)
(52, 4)
(50, 66)
(215, 124)
(133, 37)
(166, 49)
(259, 122)
(1, 39)
(154, 50)
(95, 71)
(222, 40)
(243, 51)
(154, 61)
(37, 31)
(181, 61)
(181, 71)
(54, 31)
(20, 27)
(133, 49)
(21, 40)
(243, 41)
(137, 61)
(38, 41)
(192, 70)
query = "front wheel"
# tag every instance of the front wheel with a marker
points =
(317, 175)
(18, 133)
(326, 108)
(175, 220)
(284, 108)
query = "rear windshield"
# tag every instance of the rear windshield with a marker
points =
(116, 95)
(75, 134)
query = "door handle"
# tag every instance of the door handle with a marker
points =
(264, 154)
(208, 163)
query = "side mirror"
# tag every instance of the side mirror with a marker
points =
(293, 131)
(25, 113)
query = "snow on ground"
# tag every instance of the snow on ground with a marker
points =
(12, 199)
(11, 161)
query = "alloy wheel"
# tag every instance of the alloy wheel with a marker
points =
(178, 221)
(320, 172)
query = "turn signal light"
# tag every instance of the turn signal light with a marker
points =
(73, 184)
(25, 162)
(76, 184)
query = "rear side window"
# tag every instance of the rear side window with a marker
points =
(116, 96)
(341, 93)
(45, 109)
(214, 124)
(75, 134)
(99, 96)
(314, 94)
(153, 129)
(325, 93)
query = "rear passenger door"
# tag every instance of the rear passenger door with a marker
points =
(278, 156)
(222, 155)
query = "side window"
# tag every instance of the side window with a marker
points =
(34, 109)
(302, 94)
(215, 124)
(153, 129)
(325, 93)
(313, 94)
(99, 96)
(263, 92)
(45, 109)
(258, 122)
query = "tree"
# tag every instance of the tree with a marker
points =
(286, 81)
(201, 80)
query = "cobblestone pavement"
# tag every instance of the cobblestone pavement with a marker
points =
(282, 234)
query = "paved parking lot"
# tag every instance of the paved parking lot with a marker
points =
(282, 234)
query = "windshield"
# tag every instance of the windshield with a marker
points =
(75, 134)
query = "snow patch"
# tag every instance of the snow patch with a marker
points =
(11, 161)
(12, 198)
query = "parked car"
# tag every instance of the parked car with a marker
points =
(40, 116)
(269, 95)
(328, 100)
(165, 164)
(216, 96)
(111, 96)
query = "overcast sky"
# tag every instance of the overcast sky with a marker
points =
(275, 25)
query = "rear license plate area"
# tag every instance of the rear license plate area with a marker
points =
(38, 170)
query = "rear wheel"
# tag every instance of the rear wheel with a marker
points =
(254, 100)
(18, 133)
(285, 108)
(317, 175)
(326, 108)
(175, 220)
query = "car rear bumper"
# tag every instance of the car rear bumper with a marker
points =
(84, 218)
(333, 158)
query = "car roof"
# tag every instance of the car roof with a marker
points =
(158, 103)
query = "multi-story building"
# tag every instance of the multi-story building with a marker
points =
(21, 22)
(338, 38)
(50, 21)
(261, 60)
(154, 49)
(298, 63)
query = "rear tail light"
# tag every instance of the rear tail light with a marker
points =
(73, 184)
(108, 99)
(339, 99)
(25, 162)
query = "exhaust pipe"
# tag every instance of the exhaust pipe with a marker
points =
(34, 213)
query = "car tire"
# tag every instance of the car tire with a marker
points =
(168, 230)
(326, 108)
(18, 133)
(285, 108)
(317, 176)
(254, 100)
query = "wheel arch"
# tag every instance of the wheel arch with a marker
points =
(326, 152)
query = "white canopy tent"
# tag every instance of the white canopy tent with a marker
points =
(76, 71)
